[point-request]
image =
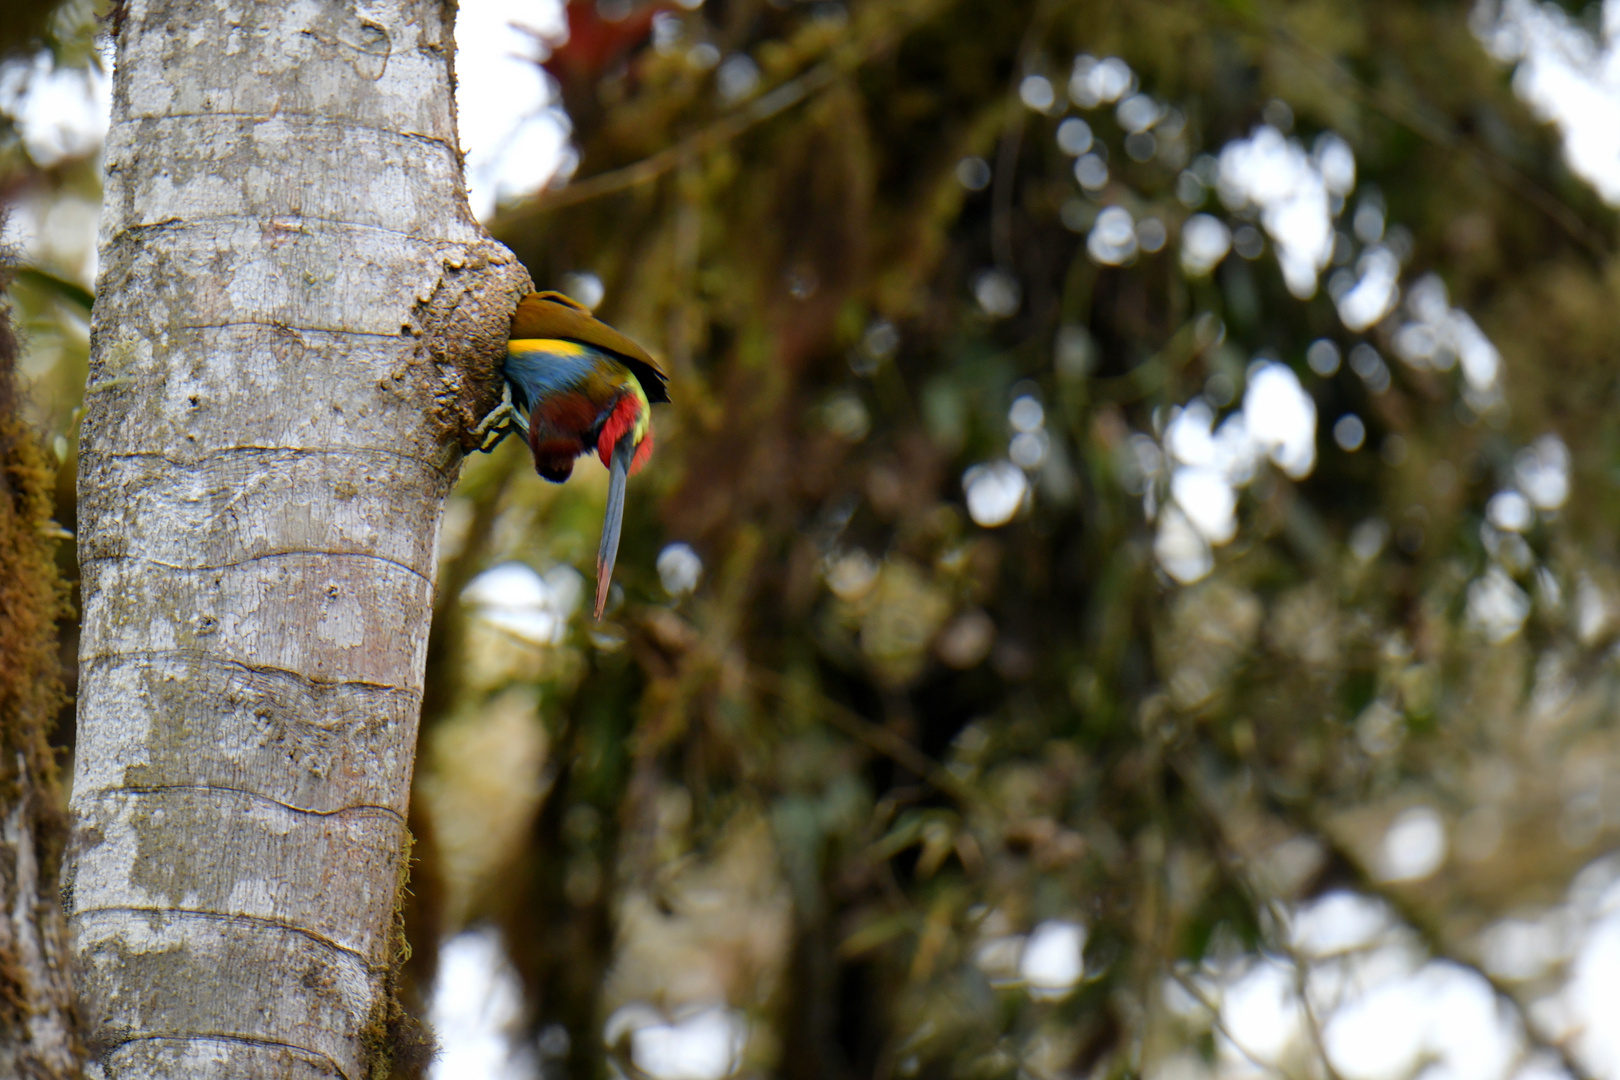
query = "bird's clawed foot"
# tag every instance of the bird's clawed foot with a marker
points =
(502, 420)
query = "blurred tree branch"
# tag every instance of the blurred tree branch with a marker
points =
(846, 59)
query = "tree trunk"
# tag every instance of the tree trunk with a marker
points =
(38, 1027)
(296, 323)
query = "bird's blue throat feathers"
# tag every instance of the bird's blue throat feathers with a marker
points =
(540, 368)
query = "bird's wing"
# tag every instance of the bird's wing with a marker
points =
(553, 315)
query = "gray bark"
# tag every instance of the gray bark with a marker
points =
(296, 321)
(40, 1039)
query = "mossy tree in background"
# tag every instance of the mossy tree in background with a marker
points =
(39, 1026)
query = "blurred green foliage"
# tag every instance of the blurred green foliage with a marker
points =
(958, 732)
(880, 741)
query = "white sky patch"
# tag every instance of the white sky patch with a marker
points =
(1074, 136)
(514, 135)
(1516, 949)
(1497, 607)
(1373, 293)
(1262, 1013)
(1209, 501)
(1384, 1011)
(1180, 548)
(1189, 436)
(1350, 433)
(477, 1001)
(1112, 240)
(1138, 112)
(1567, 76)
(1388, 1010)
(1205, 240)
(706, 1045)
(1210, 463)
(1052, 963)
(737, 78)
(1026, 414)
(1442, 1015)
(1281, 417)
(1509, 511)
(1542, 470)
(1094, 82)
(1028, 449)
(1037, 93)
(1291, 189)
(1583, 931)
(998, 293)
(1091, 173)
(61, 113)
(1414, 845)
(1338, 922)
(1593, 996)
(57, 234)
(679, 569)
(995, 492)
(1439, 336)
(585, 287)
(525, 603)
(1151, 234)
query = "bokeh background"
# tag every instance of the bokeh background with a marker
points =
(1128, 585)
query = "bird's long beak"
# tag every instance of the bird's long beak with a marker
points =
(618, 473)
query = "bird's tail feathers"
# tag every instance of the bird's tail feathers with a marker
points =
(608, 553)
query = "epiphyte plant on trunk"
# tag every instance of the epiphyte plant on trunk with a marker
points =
(578, 385)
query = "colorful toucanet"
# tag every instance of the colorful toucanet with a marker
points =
(579, 386)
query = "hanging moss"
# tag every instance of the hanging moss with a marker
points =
(33, 598)
(398, 1045)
